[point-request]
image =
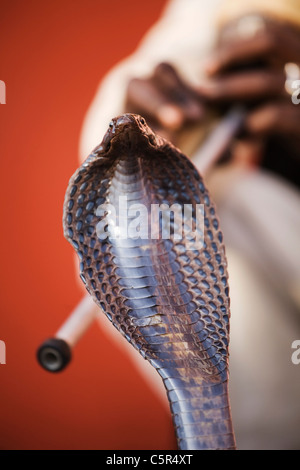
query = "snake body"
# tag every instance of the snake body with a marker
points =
(169, 297)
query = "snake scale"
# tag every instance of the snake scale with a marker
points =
(168, 296)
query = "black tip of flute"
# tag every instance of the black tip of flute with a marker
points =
(54, 355)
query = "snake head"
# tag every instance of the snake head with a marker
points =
(128, 132)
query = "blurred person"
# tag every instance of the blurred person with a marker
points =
(194, 63)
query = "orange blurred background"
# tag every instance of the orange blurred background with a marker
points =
(53, 54)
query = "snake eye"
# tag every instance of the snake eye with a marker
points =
(111, 124)
(142, 121)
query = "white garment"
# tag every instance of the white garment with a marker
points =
(183, 36)
(260, 220)
(259, 216)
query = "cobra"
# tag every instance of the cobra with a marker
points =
(168, 296)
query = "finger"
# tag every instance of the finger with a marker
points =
(244, 86)
(145, 98)
(248, 151)
(240, 51)
(179, 92)
(273, 118)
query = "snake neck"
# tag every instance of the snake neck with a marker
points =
(200, 409)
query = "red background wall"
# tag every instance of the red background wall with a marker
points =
(53, 54)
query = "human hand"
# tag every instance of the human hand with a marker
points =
(165, 100)
(251, 70)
